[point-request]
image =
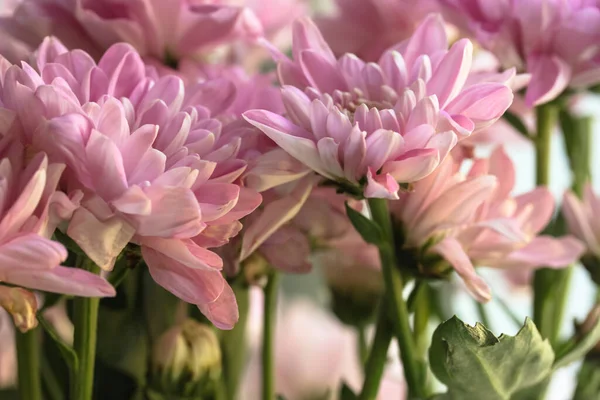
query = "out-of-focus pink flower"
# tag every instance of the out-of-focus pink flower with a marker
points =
(555, 41)
(527, 214)
(581, 217)
(30, 207)
(369, 27)
(314, 353)
(369, 126)
(472, 220)
(166, 30)
(149, 158)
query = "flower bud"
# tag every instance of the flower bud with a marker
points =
(186, 361)
(355, 288)
(21, 304)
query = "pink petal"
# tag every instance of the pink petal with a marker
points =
(69, 281)
(289, 137)
(30, 252)
(549, 77)
(413, 165)
(578, 221)
(185, 252)
(452, 251)
(223, 312)
(546, 251)
(195, 286)
(320, 73)
(274, 215)
(451, 73)
(482, 103)
(102, 241)
(381, 186)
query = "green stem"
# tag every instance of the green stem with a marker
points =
(28, 364)
(363, 349)
(397, 305)
(269, 318)
(544, 307)
(85, 320)
(483, 316)
(376, 361)
(421, 318)
(51, 384)
(233, 343)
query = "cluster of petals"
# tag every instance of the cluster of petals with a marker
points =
(149, 159)
(581, 217)
(556, 41)
(367, 28)
(370, 126)
(161, 29)
(473, 220)
(30, 209)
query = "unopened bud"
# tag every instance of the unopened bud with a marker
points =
(355, 290)
(187, 360)
(21, 304)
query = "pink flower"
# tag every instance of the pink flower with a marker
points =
(367, 127)
(526, 214)
(30, 207)
(555, 41)
(151, 162)
(166, 30)
(472, 220)
(580, 215)
(369, 27)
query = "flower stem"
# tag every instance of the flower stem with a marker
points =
(483, 316)
(270, 310)
(233, 343)
(377, 358)
(544, 295)
(397, 305)
(363, 349)
(85, 320)
(28, 359)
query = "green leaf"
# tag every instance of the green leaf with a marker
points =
(475, 364)
(368, 229)
(579, 348)
(346, 393)
(66, 351)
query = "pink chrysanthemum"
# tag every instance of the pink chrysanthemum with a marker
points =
(369, 126)
(150, 160)
(555, 41)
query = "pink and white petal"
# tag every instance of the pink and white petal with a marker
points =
(274, 215)
(549, 77)
(578, 222)
(382, 186)
(30, 252)
(291, 138)
(482, 103)
(452, 251)
(320, 73)
(185, 252)
(451, 73)
(175, 213)
(414, 165)
(546, 252)
(306, 35)
(195, 286)
(223, 312)
(133, 201)
(64, 280)
(329, 153)
(102, 241)
(382, 146)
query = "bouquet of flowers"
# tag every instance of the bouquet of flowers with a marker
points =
(291, 199)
